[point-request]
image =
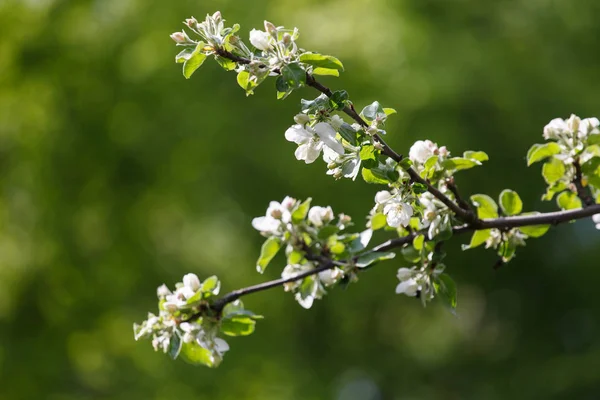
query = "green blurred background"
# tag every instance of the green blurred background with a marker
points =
(117, 175)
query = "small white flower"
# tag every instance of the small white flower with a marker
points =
(405, 273)
(181, 37)
(596, 219)
(397, 212)
(409, 287)
(555, 128)
(589, 126)
(421, 151)
(191, 281)
(312, 140)
(278, 214)
(330, 276)
(261, 40)
(320, 215)
(336, 122)
(163, 291)
(301, 119)
(220, 345)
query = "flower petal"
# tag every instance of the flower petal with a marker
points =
(297, 134)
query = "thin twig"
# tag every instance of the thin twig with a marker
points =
(582, 193)
(550, 218)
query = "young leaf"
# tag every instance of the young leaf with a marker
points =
(478, 238)
(268, 250)
(459, 163)
(193, 63)
(534, 231)
(373, 111)
(568, 201)
(348, 133)
(237, 325)
(510, 202)
(370, 177)
(476, 155)
(486, 206)
(378, 221)
(418, 242)
(294, 75)
(211, 286)
(538, 152)
(321, 61)
(196, 355)
(447, 290)
(370, 258)
(326, 72)
(553, 171)
(174, 346)
(300, 213)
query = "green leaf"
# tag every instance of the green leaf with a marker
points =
(539, 152)
(225, 63)
(295, 257)
(418, 242)
(510, 202)
(327, 231)
(370, 258)
(243, 79)
(369, 177)
(321, 61)
(268, 250)
(196, 355)
(194, 62)
(486, 206)
(348, 133)
(301, 211)
(591, 170)
(476, 155)
(593, 139)
(507, 250)
(174, 346)
(361, 241)
(478, 238)
(568, 201)
(338, 99)
(411, 254)
(326, 72)
(419, 188)
(459, 163)
(534, 231)
(211, 285)
(237, 325)
(447, 290)
(293, 75)
(553, 189)
(378, 221)
(368, 155)
(553, 171)
(184, 55)
(373, 111)
(389, 111)
(405, 164)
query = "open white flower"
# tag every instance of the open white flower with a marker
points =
(312, 139)
(347, 165)
(409, 287)
(421, 151)
(261, 40)
(278, 214)
(191, 281)
(320, 215)
(596, 219)
(397, 212)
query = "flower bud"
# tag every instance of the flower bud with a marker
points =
(270, 28)
(338, 174)
(286, 39)
(378, 146)
(191, 281)
(301, 119)
(332, 165)
(217, 16)
(372, 130)
(163, 291)
(180, 37)
(191, 22)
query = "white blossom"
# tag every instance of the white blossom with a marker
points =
(336, 122)
(191, 281)
(397, 211)
(261, 40)
(596, 219)
(347, 165)
(277, 215)
(312, 139)
(409, 287)
(421, 151)
(320, 215)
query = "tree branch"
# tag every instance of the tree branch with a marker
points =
(550, 218)
(581, 191)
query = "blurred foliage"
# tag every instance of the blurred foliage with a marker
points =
(118, 175)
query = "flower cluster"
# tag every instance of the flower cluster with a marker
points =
(306, 233)
(395, 205)
(424, 281)
(436, 215)
(571, 156)
(170, 334)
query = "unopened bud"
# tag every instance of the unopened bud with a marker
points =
(332, 165)
(269, 27)
(301, 119)
(191, 22)
(443, 151)
(371, 130)
(287, 38)
(338, 174)
(180, 37)
(378, 146)
(345, 219)
(217, 16)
